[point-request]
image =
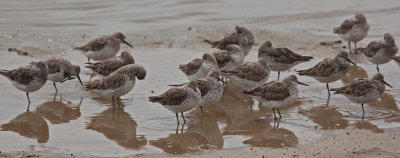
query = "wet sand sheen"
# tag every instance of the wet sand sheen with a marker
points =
(78, 121)
(144, 127)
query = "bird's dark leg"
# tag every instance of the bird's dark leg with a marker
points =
(88, 59)
(112, 100)
(184, 121)
(54, 84)
(27, 95)
(327, 87)
(279, 74)
(119, 101)
(377, 67)
(362, 106)
(279, 113)
(355, 47)
(177, 119)
(273, 111)
(201, 108)
(349, 47)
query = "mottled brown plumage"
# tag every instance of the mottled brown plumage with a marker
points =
(203, 86)
(174, 96)
(99, 43)
(358, 87)
(231, 57)
(253, 71)
(192, 67)
(242, 37)
(345, 27)
(119, 78)
(388, 46)
(363, 86)
(22, 75)
(222, 58)
(108, 66)
(281, 55)
(274, 90)
(372, 48)
(94, 45)
(25, 75)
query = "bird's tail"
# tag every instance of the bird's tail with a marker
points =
(336, 30)
(301, 72)
(211, 42)
(155, 99)
(396, 58)
(3, 72)
(306, 58)
(92, 86)
(337, 90)
(89, 65)
(177, 85)
(247, 92)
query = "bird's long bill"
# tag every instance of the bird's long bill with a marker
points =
(350, 61)
(384, 82)
(79, 78)
(302, 83)
(127, 43)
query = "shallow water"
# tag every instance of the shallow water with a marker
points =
(77, 121)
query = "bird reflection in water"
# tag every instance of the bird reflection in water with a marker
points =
(29, 124)
(119, 126)
(273, 137)
(59, 112)
(201, 133)
(328, 117)
(365, 125)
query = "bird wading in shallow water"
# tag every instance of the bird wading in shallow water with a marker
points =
(280, 59)
(277, 93)
(119, 82)
(179, 99)
(61, 70)
(108, 66)
(329, 70)
(364, 90)
(28, 78)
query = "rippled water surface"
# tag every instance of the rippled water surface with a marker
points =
(78, 121)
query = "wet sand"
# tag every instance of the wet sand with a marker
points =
(81, 123)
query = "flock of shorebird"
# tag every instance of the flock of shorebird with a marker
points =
(206, 84)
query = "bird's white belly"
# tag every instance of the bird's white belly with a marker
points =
(331, 78)
(371, 96)
(31, 87)
(103, 54)
(56, 77)
(357, 33)
(279, 103)
(187, 105)
(247, 84)
(120, 91)
(380, 58)
(276, 66)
